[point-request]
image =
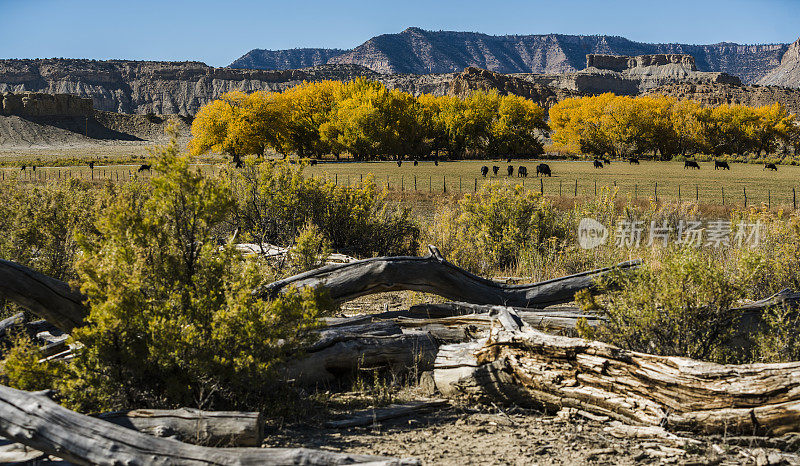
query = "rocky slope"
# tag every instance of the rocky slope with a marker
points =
(152, 87)
(720, 93)
(260, 59)
(418, 51)
(787, 74)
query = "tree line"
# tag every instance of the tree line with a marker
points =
(620, 126)
(368, 121)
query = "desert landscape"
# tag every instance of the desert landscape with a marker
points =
(430, 247)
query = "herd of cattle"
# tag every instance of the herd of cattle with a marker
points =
(544, 169)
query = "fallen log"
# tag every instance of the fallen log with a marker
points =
(433, 274)
(49, 298)
(347, 353)
(522, 365)
(212, 428)
(366, 417)
(40, 423)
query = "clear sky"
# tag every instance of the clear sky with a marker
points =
(218, 32)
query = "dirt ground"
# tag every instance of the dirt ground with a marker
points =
(488, 435)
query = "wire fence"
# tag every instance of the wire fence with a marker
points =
(734, 194)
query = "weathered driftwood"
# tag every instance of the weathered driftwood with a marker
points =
(40, 423)
(48, 298)
(344, 353)
(366, 417)
(212, 428)
(433, 274)
(520, 364)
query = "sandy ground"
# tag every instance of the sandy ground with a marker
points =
(467, 435)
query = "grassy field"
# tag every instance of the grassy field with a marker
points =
(667, 180)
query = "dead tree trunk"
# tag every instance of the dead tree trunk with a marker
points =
(39, 423)
(48, 298)
(433, 274)
(212, 428)
(522, 365)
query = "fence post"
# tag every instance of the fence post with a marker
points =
(444, 183)
(635, 190)
(415, 183)
(430, 183)
(576, 187)
(476, 185)
(402, 184)
(679, 194)
(595, 188)
(744, 190)
(656, 191)
(336, 179)
(459, 184)
(769, 199)
(541, 186)
(723, 195)
(696, 194)
(559, 188)
(794, 199)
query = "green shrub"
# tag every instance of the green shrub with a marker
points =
(275, 201)
(310, 249)
(38, 225)
(173, 321)
(680, 306)
(491, 229)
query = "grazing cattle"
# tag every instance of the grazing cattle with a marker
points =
(509, 160)
(237, 164)
(146, 167)
(522, 172)
(313, 162)
(91, 165)
(23, 168)
(399, 163)
(633, 161)
(510, 170)
(495, 169)
(436, 162)
(484, 171)
(606, 161)
(416, 162)
(544, 169)
(33, 168)
(598, 164)
(721, 165)
(690, 164)
(771, 166)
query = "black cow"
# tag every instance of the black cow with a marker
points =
(33, 168)
(495, 169)
(544, 169)
(721, 165)
(91, 165)
(771, 166)
(522, 171)
(416, 162)
(509, 160)
(484, 171)
(633, 161)
(399, 163)
(237, 164)
(598, 164)
(23, 168)
(146, 167)
(606, 161)
(690, 164)
(436, 162)
(510, 170)
(313, 162)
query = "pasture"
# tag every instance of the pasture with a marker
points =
(668, 181)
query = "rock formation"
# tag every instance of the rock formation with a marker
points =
(260, 59)
(32, 104)
(718, 93)
(787, 74)
(427, 52)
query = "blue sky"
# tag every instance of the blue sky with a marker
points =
(217, 32)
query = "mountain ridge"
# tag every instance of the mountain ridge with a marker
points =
(419, 51)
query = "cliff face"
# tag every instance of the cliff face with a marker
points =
(418, 51)
(788, 73)
(260, 59)
(719, 93)
(31, 104)
(152, 87)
